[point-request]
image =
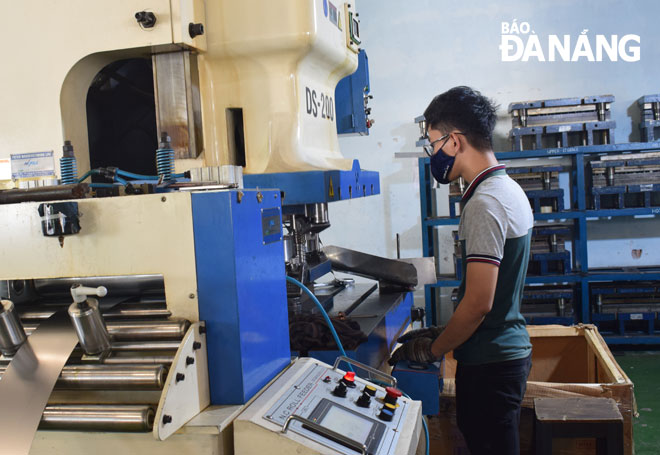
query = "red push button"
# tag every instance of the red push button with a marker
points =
(392, 395)
(349, 379)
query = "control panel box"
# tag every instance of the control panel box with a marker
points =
(328, 410)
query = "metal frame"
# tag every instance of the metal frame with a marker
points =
(580, 215)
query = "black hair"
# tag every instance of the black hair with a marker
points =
(466, 110)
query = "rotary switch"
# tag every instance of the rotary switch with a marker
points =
(340, 390)
(387, 412)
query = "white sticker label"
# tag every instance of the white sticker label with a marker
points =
(28, 165)
(646, 187)
(636, 317)
(563, 129)
(5, 169)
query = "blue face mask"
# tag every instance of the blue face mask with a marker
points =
(441, 165)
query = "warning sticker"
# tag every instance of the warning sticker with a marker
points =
(331, 190)
(29, 165)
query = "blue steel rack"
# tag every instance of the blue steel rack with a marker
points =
(579, 214)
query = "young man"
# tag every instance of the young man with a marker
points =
(486, 332)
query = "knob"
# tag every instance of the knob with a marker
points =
(146, 19)
(364, 401)
(387, 412)
(392, 395)
(370, 390)
(340, 390)
(195, 29)
(349, 379)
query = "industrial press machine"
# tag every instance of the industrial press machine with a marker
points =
(164, 169)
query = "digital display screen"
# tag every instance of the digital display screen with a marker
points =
(348, 424)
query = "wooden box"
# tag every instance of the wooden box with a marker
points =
(566, 362)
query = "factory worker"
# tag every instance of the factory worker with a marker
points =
(487, 331)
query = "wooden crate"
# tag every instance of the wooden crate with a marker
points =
(566, 362)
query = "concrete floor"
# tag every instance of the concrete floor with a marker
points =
(643, 368)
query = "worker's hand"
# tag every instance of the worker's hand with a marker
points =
(427, 332)
(416, 350)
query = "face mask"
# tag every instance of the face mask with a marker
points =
(441, 165)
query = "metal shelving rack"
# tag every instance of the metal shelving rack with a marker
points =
(579, 214)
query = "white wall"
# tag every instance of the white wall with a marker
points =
(419, 49)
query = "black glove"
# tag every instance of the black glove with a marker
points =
(427, 332)
(416, 350)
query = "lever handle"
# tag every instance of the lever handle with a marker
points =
(80, 293)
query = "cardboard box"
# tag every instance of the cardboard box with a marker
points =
(566, 362)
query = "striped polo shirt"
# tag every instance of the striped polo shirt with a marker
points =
(496, 228)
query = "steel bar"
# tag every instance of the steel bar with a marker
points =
(145, 346)
(48, 193)
(142, 360)
(109, 377)
(138, 330)
(98, 418)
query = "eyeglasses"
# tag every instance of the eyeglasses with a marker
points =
(429, 147)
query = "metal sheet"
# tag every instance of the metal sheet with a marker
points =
(29, 381)
(425, 270)
(367, 265)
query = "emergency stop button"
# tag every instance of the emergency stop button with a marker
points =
(349, 379)
(392, 394)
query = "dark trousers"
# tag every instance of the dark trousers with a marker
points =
(488, 399)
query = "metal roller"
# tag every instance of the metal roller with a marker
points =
(142, 360)
(49, 193)
(12, 334)
(126, 310)
(139, 330)
(110, 377)
(120, 346)
(98, 418)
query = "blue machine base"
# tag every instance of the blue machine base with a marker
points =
(421, 382)
(316, 187)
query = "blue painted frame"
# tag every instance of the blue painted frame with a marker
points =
(241, 291)
(579, 214)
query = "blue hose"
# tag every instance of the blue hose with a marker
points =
(323, 312)
(120, 180)
(102, 185)
(132, 175)
(87, 174)
(426, 435)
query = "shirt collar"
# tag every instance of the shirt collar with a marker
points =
(479, 178)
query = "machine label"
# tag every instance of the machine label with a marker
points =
(318, 103)
(636, 317)
(271, 225)
(646, 187)
(28, 165)
(333, 13)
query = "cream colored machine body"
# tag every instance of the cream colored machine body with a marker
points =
(261, 59)
(247, 83)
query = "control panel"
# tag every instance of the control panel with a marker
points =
(317, 404)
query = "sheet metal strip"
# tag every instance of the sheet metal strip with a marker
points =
(30, 379)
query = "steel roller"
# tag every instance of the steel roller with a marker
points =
(98, 418)
(109, 377)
